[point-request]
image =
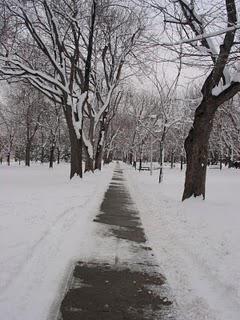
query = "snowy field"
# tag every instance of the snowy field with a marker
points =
(45, 225)
(197, 242)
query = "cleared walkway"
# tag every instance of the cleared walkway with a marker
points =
(129, 288)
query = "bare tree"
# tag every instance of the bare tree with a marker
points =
(221, 83)
(55, 56)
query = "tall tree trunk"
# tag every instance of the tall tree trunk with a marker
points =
(100, 146)
(101, 141)
(51, 156)
(105, 157)
(182, 159)
(42, 155)
(27, 153)
(76, 146)
(98, 158)
(58, 155)
(8, 158)
(196, 147)
(172, 160)
(89, 163)
(161, 160)
(131, 157)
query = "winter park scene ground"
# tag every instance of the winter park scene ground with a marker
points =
(119, 160)
(47, 225)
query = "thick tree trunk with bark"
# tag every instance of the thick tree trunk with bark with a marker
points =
(76, 154)
(196, 147)
(76, 146)
(100, 146)
(101, 141)
(98, 158)
(89, 163)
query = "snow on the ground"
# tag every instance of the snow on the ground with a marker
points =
(45, 225)
(197, 242)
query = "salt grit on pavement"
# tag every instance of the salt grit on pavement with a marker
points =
(197, 242)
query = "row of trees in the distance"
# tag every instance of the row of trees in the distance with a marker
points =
(80, 56)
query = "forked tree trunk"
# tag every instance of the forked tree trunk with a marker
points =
(196, 147)
(76, 146)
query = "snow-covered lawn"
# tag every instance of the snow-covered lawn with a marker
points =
(197, 242)
(45, 224)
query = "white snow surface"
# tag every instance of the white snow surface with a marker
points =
(45, 226)
(196, 242)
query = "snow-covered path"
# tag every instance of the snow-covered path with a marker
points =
(196, 242)
(45, 226)
(122, 280)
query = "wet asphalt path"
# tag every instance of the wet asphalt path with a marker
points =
(128, 288)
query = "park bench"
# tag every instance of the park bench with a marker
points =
(144, 168)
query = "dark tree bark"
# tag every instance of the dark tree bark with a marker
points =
(28, 154)
(42, 155)
(58, 155)
(8, 158)
(99, 156)
(131, 157)
(197, 141)
(196, 147)
(89, 163)
(181, 166)
(76, 146)
(172, 160)
(51, 156)
(161, 160)
(196, 144)
(101, 140)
